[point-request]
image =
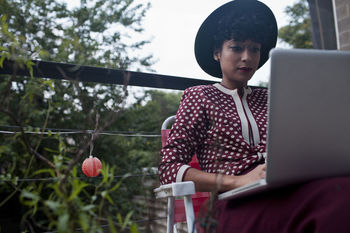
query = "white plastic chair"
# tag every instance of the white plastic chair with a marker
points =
(175, 190)
(181, 189)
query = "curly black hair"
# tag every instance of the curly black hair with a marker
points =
(240, 28)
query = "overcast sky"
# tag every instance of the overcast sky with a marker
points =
(173, 25)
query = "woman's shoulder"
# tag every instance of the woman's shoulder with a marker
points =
(200, 93)
(259, 90)
(200, 89)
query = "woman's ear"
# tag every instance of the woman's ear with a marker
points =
(216, 55)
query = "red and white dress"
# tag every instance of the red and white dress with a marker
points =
(227, 132)
(225, 129)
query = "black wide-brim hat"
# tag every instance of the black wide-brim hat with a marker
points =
(204, 43)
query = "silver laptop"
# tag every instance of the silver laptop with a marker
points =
(308, 120)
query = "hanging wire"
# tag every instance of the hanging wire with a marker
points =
(74, 131)
(86, 178)
(49, 131)
(92, 144)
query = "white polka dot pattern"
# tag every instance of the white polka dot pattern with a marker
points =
(207, 124)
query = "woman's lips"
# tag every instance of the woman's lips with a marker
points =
(245, 69)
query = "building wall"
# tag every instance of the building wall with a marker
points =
(322, 24)
(342, 16)
(330, 21)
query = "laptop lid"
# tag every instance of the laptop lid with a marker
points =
(309, 115)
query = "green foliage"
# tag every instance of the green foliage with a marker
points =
(146, 115)
(298, 32)
(93, 33)
(90, 34)
(69, 204)
(65, 203)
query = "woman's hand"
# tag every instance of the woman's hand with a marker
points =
(206, 182)
(231, 182)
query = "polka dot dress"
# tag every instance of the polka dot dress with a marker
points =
(225, 129)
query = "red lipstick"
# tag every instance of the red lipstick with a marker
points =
(245, 69)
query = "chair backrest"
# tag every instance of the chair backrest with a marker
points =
(165, 134)
(198, 198)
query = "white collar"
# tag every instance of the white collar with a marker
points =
(246, 90)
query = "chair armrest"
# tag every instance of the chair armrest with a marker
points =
(175, 189)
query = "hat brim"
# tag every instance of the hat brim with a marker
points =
(204, 43)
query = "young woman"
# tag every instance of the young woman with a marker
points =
(225, 126)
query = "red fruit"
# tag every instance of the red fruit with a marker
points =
(91, 166)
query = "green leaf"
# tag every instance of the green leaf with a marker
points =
(15, 180)
(63, 223)
(105, 194)
(74, 171)
(84, 221)
(30, 65)
(43, 53)
(53, 205)
(120, 219)
(77, 188)
(108, 197)
(116, 186)
(105, 173)
(31, 97)
(133, 228)
(50, 171)
(111, 225)
(30, 195)
(49, 83)
(2, 59)
(120, 182)
(127, 219)
(88, 207)
(30, 199)
(55, 187)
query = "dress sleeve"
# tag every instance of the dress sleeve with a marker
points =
(184, 139)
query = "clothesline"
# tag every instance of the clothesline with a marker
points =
(49, 131)
(84, 178)
(109, 134)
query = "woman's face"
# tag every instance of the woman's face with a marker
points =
(238, 62)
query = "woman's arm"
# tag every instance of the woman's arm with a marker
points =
(207, 182)
(187, 132)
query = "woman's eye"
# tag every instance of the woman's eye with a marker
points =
(236, 48)
(256, 49)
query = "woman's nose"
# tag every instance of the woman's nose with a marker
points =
(246, 55)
